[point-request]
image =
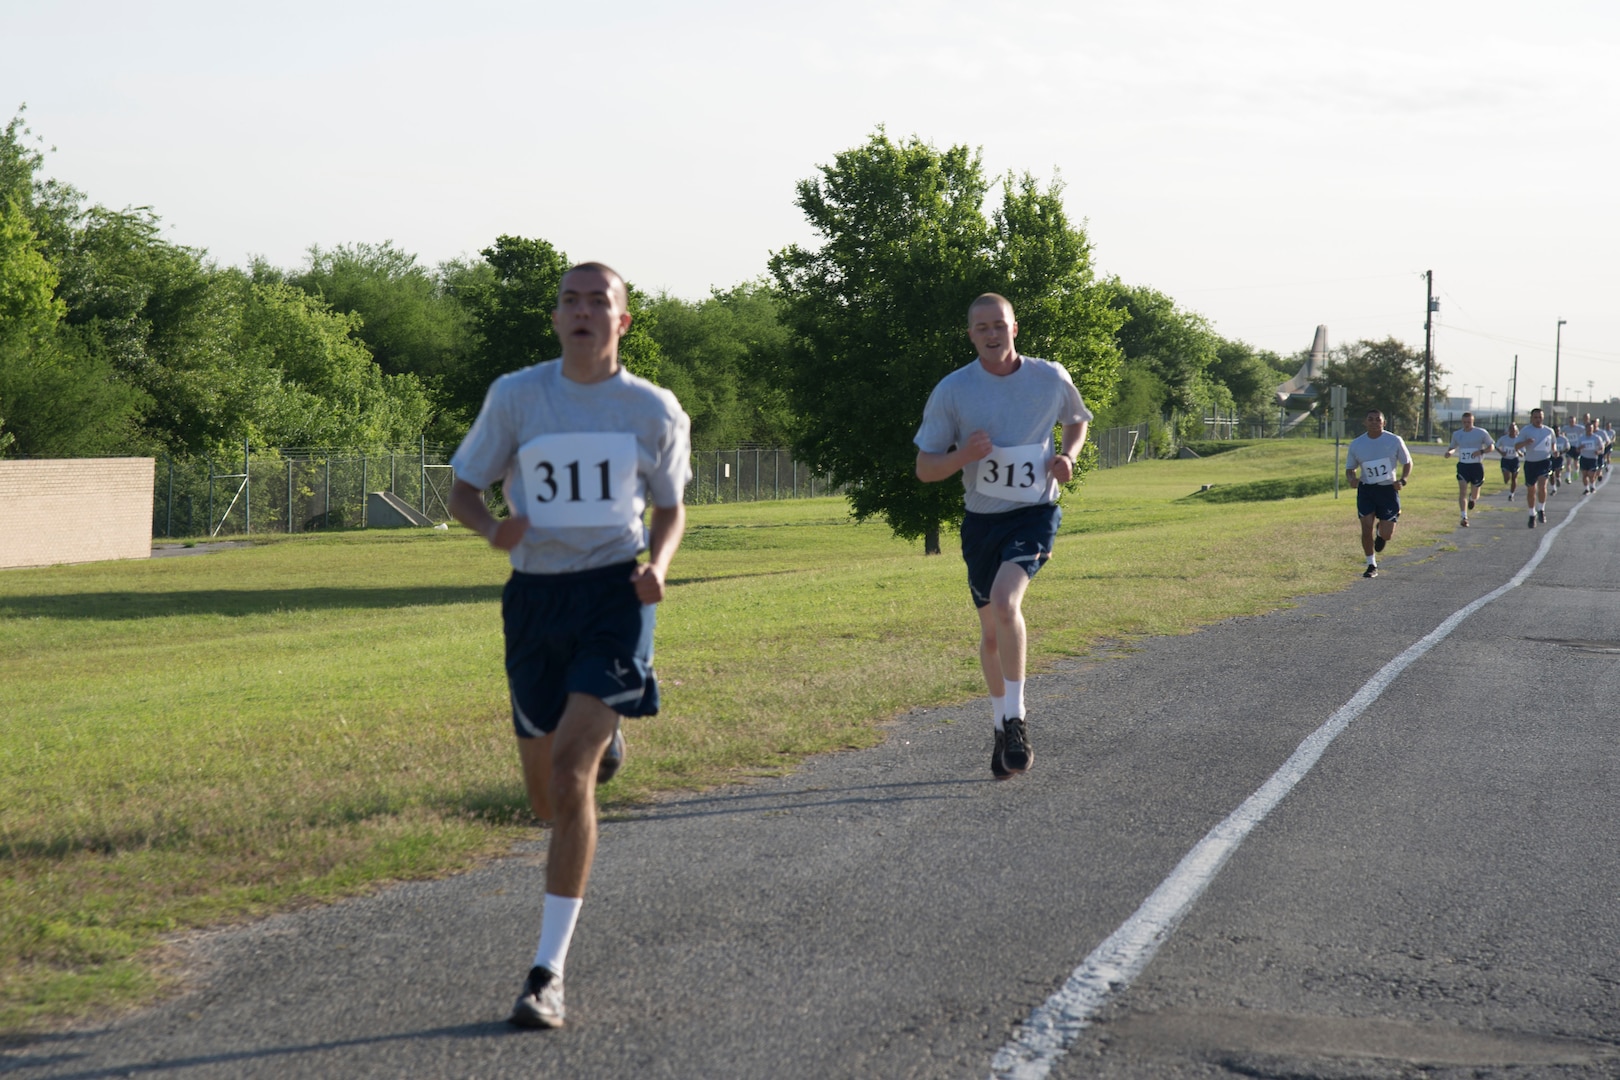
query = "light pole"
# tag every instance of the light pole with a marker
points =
(1558, 343)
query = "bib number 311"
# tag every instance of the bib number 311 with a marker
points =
(1015, 473)
(579, 479)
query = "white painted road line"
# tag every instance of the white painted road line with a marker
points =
(1051, 1028)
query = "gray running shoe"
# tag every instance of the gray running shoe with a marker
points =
(1016, 754)
(997, 767)
(541, 1003)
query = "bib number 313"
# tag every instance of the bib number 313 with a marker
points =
(1015, 473)
(579, 479)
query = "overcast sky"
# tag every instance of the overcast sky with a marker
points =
(1270, 165)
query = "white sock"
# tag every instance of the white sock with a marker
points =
(1372, 560)
(1541, 505)
(998, 708)
(1015, 697)
(556, 931)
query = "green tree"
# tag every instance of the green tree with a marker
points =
(1173, 345)
(1384, 375)
(409, 320)
(716, 356)
(877, 313)
(1250, 375)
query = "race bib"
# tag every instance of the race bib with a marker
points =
(1015, 473)
(1469, 457)
(1381, 471)
(579, 479)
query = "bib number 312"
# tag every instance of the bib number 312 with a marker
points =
(1015, 473)
(579, 479)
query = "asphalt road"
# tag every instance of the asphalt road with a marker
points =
(1437, 898)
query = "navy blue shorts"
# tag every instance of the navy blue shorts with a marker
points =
(582, 633)
(1473, 472)
(1535, 470)
(1022, 537)
(1380, 500)
(1589, 464)
(1510, 465)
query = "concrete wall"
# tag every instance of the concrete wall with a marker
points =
(75, 510)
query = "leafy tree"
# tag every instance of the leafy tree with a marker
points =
(410, 321)
(1250, 375)
(1173, 345)
(1384, 375)
(878, 312)
(716, 356)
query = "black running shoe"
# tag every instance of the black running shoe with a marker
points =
(1470, 504)
(612, 758)
(541, 1003)
(1379, 542)
(1371, 571)
(1016, 753)
(997, 767)
(1541, 515)
(1532, 521)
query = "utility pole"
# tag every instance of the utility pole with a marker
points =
(1558, 343)
(1513, 393)
(1428, 357)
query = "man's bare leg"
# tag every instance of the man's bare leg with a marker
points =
(559, 771)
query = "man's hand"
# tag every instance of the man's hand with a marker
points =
(508, 533)
(977, 447)
(1061, 468)
(649, 583)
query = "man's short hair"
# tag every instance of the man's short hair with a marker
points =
(1375, 412)
(1534, 411)
(988, 298)
(600, 268)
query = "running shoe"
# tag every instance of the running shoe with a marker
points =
(1379, 542)
(1510, 496)
(541, 1003)
(612, 757)
(1465, 523)
(1541, 515)
(1532, 521)
(1470, 504)
(1371, 571)
(997, 768)
(1016, 753)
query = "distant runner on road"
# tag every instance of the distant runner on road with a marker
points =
(1470, 444)
(992, 421)
(582, 447)
(1377, 455)
(1536, 442)
(1510, 459)
(1591, 447)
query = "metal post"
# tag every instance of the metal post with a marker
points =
(327, 511)
(392, 472)
(364, 483)
(421, 492)
(289, 495)
(737, 480)
(168, 526)
(210, 493)
(247, 487)
(1428, 355)
(776, 480)
(756, 474)
(1558, 344)
(717, 476)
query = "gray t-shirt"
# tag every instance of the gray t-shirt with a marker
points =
(1539, 446)
(1377, 458)
(552, 442)
(1016, 410)
(1471, 445)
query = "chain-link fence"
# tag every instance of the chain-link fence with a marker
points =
(294, 490)
(752, 475)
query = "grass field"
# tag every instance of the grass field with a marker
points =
(195, 740)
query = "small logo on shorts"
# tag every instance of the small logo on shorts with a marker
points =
(1017, 545)
(619, 671)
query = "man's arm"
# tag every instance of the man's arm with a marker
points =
(946, 464)
(1074, 437)
(467, 506)
(667, 527)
